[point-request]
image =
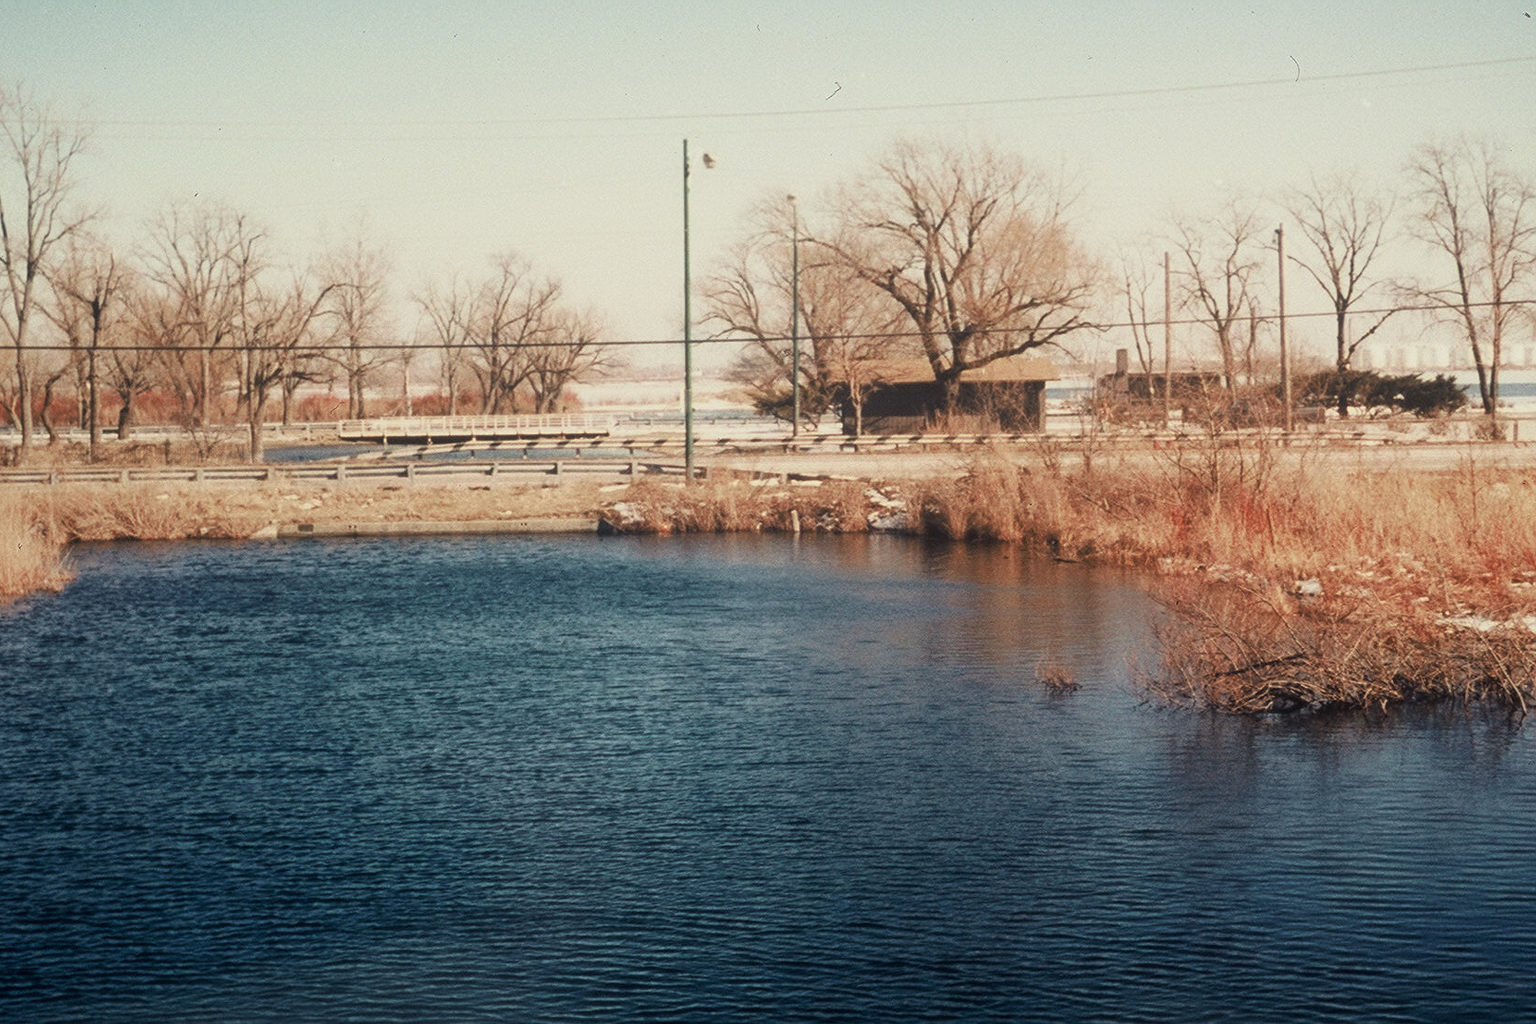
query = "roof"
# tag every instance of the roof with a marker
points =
(1011, 368)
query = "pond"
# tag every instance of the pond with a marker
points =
(710, 779)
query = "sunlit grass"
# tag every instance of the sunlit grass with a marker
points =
(31, 555)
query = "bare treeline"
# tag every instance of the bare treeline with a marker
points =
(204, 312)
(945, 258)
(959, 256)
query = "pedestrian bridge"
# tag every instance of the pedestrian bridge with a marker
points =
(450, 429)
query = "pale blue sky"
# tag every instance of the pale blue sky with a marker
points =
(459, 130)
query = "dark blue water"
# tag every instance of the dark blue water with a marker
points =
(703, 779)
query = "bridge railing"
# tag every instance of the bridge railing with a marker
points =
(552, 425)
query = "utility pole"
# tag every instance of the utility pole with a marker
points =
(1285, 348)
(687, 336)
(1167, 340)
(794, 317)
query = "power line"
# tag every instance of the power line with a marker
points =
(1063, 97)
(311, 351)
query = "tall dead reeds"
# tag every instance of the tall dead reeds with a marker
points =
(1417, 585)
(31, 555)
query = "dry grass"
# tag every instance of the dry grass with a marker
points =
(733, 506)
(1417, 586)
(31, 556)
(1054, 674)
(1236, 648)
(37, 523)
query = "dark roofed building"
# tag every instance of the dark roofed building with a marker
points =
(1005, 395)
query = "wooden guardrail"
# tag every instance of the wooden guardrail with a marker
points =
(332, 471)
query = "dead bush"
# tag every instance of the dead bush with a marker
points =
(1245, 648)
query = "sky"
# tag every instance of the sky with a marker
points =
(454, 131)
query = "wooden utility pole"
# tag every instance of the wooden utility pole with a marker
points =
(1167, 341)
(1285, 348)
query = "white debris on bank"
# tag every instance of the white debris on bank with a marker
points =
(1484, 624)
(625, 516)
(889, 515)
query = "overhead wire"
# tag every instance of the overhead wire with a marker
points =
(743, 339)
(825, 111)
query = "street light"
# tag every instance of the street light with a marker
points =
(708, 162)
(794, 317)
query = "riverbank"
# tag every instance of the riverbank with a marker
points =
(1292, 580)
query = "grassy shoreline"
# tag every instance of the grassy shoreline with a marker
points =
(1289, 583)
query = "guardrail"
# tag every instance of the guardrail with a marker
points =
(332, 471)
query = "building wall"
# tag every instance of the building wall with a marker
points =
(983, 407)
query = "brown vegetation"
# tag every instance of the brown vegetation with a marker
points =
(1291, 583)
(95, 512)
(737, 505)
(31, 557)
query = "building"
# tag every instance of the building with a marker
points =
(1005, 395)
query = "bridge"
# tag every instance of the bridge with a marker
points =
(449, 429)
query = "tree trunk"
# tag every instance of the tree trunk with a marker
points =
(950, 399)
(200, 416)
(125, 418)
(93, 398)
(257, 446)
(46, 417)
(1343, 365)
(23, 404)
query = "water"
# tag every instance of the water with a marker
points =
(709, 779)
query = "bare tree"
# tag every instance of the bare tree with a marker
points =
(89, 291)
(273, 326)
(1480, 214)
(848, 332)
(1136, 284)
(448, 311)
(753, 298)
(973, 247)
(513, 312)
(1344, 223)
(34, 193)
(133, 368)
(1220, 256)
(205, 260)
(361, 274)
(570, 350)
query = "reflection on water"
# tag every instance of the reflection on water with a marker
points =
(709, 778)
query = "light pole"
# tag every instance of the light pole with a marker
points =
(688, 326)
(794, 316)
(687, 336)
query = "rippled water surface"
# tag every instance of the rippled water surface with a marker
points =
(701, 779)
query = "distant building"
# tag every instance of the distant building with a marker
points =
(1140, 386)
(1005, 395)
